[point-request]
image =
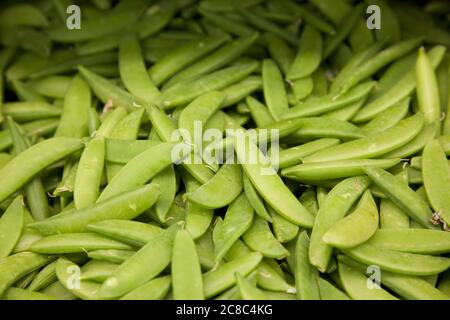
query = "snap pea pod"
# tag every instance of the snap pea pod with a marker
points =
(274, 90)
(155, 289)
(11, 225)
(436, 179)
(306, 275)
(228, 25)
(51, 86)
(240, 90)
(44, 278)
(115, 256)
(259, 112)
(247, 290)
(23, 15)
(254, 199)
(97, 270)
(279, 51)
(136, 201)
(30, 110)
(21, 294)
(387, 118)
(330, 292)
(122, 151)
(123, 281)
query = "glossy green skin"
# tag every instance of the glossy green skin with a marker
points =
(17, 265)
(186, 273)
(97, 270)
(330, 292)
(122, 151)
(75, 242)
(254, 199)
(30, 110)
(240, 90)
(283, 229)
(274, 90)
(135, 271)
(306, 275)
(39, 127)
(155, 289)
(115, 256)
(388, 118)
(28, 163)
(123, 206)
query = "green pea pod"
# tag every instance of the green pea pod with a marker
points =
(279, 51)
(22, 15)
(123, 206)
(11, 224)
(255, 200)
(283, 229)
(337, 203)
(240, 90)
(186, 273)
(237, 221)
(330, 292)
(306, 275)
(30, 110)
(114, 256)
(133, 273)
(122, 151)
(51, 86)
(361, 224)
(97, 270)
(155, 289)
(260, 114)
(436, 179)
(274, 89)
(247, 290)
(228, 25)
(387, 118)
(44, 278)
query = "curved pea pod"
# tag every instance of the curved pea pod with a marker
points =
(399, 262)
(240, 90)
(97, 270)
(135, 271)
(96, 28)
(259, 238)
(247, 290)
(269, 278)
(372, 146)
(330, 292)
(22, 15)
(89, 173)
(167, 182)
(427, 88)
(155, 289)
(123, 206)
(110, 120)
(355, 285)
(306, 275)
(309, 54)
(186, 272)
(222, 278)
(30, 110)
(408, 287)
(269, 185)
(183, 56)
(279, 51)
(17, 265)
(283, 229)
(23, 294)
(403, 196)
(445, 143)
(11, 225)
(320, 105)
(189, 89)
(308, 198)
(391, 216)
(254, 199)
(27, 164)
(139, 170)
(209, 196)
(387, 118)
(115, 256)
(122, 151)
(436, 179)
(69, 275)
(133, 71)
(357, 227)
(334, 169)
(412, 240)
(75, 242)
(337, 203)
(237, 221)
(44, 278)
(274, 89)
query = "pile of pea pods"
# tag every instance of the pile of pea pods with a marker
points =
(350, 199)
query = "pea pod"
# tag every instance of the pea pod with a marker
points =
(306, 275)
(155, 289)
(247, 290)
(11, 224)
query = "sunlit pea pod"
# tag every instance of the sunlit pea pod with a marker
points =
(337, 203)
(133, 273)
(403, 196)
(155, 289)
(187, 281)
(260, 238)
(219, 58)
(66, 271)
(115, 256)
(124, 206)
(186, 91)
(133, 71)
(122, 151)
(11, 225)
(183, 56)
(240, 90)
(270, 278)
(294, 155)
(380, 60)
(436, 179)
(279, 51)
(30, 110)
(372, 146)
(23, 15)
(255, 200)
(274, 89)
(269, 185)
(75, 242)
(247, 290)
(408, 287)
(388, 118)
(309, 54)
(355, 285)
(331, 42)
(330, 292)
(399, 262)
(357, 227)
(17, 265)
(97, 270)
(334, 169)
(283, 229)
(139, 170)
(237, 221)
(222, 278)
(306, 275)
(427, 88)
(96, 28)
(400, 90)
(24, 166)
(391, 216)
(107, 91)
(260, 114)
(165, 128)
(320, 105)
